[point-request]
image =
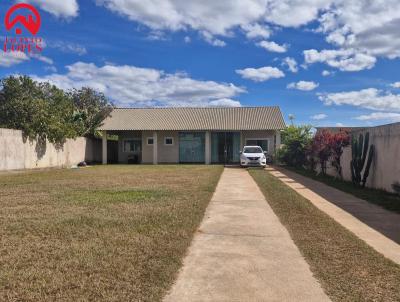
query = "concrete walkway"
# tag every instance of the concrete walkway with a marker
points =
(242, 252)
(378, 227)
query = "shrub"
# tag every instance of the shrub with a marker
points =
(327, 146)
(321, 148)
(295, 141)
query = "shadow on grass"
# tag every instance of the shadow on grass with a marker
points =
(378, 218)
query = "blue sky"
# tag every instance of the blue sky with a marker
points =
(344, 55)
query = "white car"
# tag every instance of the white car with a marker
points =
(253, 156)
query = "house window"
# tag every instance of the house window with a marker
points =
(262, 142)
(150, 141)
(131, 146)
(169, 141)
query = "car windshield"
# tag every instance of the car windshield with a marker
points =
(252, 150)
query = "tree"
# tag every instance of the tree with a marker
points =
(59, 115)
(339, 141)
(43, 111)
(295, 141)
(91, 108)
(40, 110)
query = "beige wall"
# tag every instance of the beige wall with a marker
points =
(166, 154)
(170, 154)
(17, 153)
(385, 169)
(147, 151)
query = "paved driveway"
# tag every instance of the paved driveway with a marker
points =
(242, 252)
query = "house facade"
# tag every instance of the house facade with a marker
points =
(191, 135)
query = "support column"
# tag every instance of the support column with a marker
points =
(208, 148)
(278, 140)
(242, 142)
(104, 147)
(155, 148)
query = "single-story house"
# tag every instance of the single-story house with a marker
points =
(191, 135)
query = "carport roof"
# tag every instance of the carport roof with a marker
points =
(184, 119)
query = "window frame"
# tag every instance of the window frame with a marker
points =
(172, 141)
(129, 140)
(147, 141)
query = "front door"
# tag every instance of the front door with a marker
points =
(225, 147)
(191, 147)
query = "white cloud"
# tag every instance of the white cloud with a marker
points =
(370, 98)
(59, 8)
(261, 74)
(319, 117)
(225, 103)
(43, 59)
(156, 35)
(375, 116)
(218, 17)
(291, 64)
(209, 38)
(8, 59)
(68, 47)
(326, 73)
(343, 59)
(134, 86)
(395, 85)
(371, 27)
(214, 17)
(272, 46)
(254, 31)
(303, 85)
(294, 13)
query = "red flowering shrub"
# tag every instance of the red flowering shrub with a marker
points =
(321, 148)
(327, 146)
(339, 141)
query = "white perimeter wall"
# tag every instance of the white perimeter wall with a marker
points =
(19, 153)
(385, 169)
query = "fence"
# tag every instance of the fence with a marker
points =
(385, 170)
(17, 152)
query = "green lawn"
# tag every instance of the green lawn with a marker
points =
(348, 269)
(115, 233)
(382, 198)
